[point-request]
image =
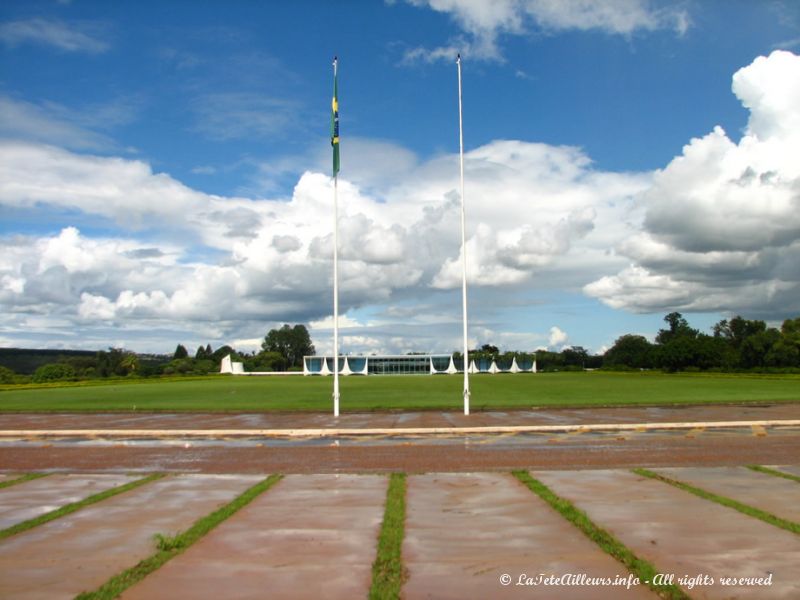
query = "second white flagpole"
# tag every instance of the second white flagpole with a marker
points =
(463, 245)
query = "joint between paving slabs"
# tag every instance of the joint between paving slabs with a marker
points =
(72, 507)
(169, 547)
(608, 543)
(774, 473)
(22, 479)
(388, 571)
(746, 509)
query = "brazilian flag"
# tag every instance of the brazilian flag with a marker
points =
(335, 121)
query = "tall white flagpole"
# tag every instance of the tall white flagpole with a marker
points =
(336, 296)
(335, 247)
(463, 244)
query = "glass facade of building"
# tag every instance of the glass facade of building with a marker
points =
(399, 365)
(406, 364)
(411, 364)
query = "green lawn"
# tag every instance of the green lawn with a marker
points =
(259, 394)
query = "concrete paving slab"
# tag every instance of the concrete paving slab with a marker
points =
(778, 496)
(81, 551)
(791, 469)
(683, 535)
(39, 496)
(309, 536)
(464, 532)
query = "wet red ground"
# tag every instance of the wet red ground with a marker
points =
(572, 416)
(419, 454)
(646, 450)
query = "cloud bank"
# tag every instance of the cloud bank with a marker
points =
(721, 229)
(125, 254)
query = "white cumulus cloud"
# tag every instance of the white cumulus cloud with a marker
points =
(197, 261)
(557, 338)
(721, 230)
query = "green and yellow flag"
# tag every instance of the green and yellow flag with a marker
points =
(335, 121)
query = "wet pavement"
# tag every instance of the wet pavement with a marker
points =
(791, 470)
(476, 535)
(687, 536)
(760, 490)
(309, 537)
(315, 536)
(574, 450)
(399, 419)
(251, 452)
(19, 503)
(79, 552)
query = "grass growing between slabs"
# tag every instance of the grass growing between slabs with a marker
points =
(22, 479)
(642, 569)
(170, 546)
(404, 392)
(724, 501)
(768, 471)
(388, 574)
(75, 506)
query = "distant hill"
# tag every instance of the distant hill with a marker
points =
(26, 360)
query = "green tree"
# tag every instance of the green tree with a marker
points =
(790, 341)
(575, 356)
(675, 354)
(266, 361)
(180, 352)
(737, 330)
(222, 352)
(791, 329)
(110, 362)
(756, 347)
(290, 342)
(179, 366)
(53, 372)
(549, 361)
(130, 363)
(783, 354)
(7, 375)
(630, 350)
(678, 327)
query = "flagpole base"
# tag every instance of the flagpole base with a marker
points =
(335, 405)
(466, 402)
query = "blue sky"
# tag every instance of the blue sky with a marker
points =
(165, 170)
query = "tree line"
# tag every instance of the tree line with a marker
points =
(282, 349)
(736, 344)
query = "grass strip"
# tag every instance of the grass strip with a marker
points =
(746, 509)
(774, 472)
(75, 506)
(388, 573)
(22, 479)
(169, 546)
(642, 569)
(399, 392)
